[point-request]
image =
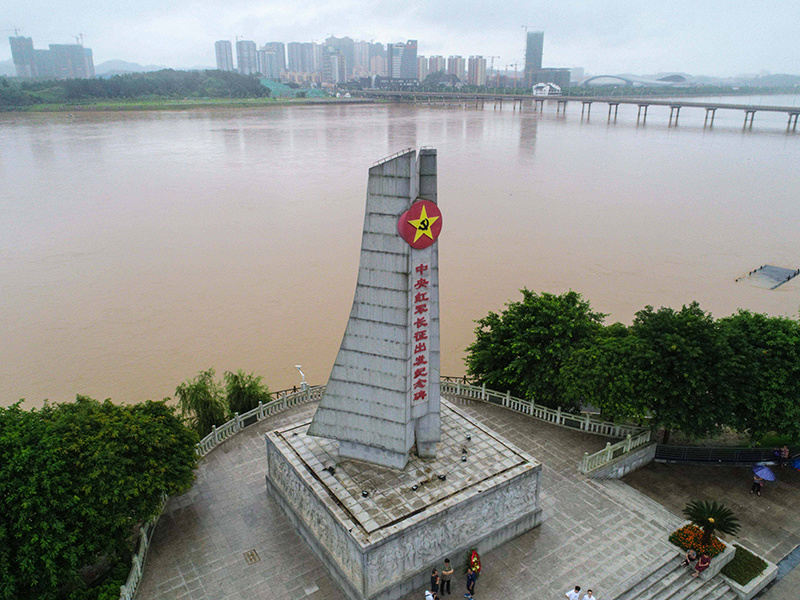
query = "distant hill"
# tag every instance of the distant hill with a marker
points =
(7, 68)
(120, 67)
(777, 80)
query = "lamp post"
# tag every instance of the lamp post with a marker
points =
(303, 384)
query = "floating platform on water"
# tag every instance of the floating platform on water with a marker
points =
(769, 277)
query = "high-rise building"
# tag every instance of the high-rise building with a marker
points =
(268, 63)
(456, 65)
(224, 53)
(436, 64)
(422, 67)
(534, 48)
(279, 49)
(402, 60)
(361, 59)
(246, 60)
(346, 48)
(377, 65)
(333, 66)
(476, 70)
(294, 53)
(61, 61)
(71, 61)
(23, 55)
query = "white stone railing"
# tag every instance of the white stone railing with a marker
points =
(612, 451)
(128, 591)
(262, 411)
(556, 416)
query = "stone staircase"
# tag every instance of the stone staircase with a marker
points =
(671, 581)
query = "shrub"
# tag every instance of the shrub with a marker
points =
(691, 536)
(744, 566)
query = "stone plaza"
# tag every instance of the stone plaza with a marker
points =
(227, 539)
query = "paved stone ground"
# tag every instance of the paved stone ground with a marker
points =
(770, 523)
(595, 534)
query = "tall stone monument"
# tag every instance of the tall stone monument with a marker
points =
(383, 393)
(378, 514)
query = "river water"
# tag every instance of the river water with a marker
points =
(139, 248)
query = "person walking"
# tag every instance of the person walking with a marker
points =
(574, 594)
(470, 583)
(589, 596)
(447, 575)
(758, 482)
(784, 455)
(434, 582)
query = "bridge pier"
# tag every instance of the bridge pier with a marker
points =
(538, 102)
(586, 104)
(561, 103)
(642, 114)
(749, 114)
(615, 105)
(792, 121)
(677, 110)
(712, 112)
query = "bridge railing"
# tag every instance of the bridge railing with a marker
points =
(719, 455)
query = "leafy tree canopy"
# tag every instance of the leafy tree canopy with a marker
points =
(205, 402)
(522, 348)
(765, 372)
(76, 479)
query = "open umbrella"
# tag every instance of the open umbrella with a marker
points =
(764, 472)
(796, 463)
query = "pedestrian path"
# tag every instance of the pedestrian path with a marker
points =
(226, 539)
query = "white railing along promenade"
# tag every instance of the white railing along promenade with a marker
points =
(555, 416)
(128, 591)
(612, 451)
(262, 411)
(636, 436)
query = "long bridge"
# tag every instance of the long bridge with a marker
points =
(613, 102)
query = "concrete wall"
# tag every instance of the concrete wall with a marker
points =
(626, 463)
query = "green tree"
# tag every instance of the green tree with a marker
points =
(522, 348)
(243, 392)
(202, 402)
(682, 360)
(765, 372)
(75, 480)
(604, 374)
(711, 517)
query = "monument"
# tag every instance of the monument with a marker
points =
(388, 479)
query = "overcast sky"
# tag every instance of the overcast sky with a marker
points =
(700, 37)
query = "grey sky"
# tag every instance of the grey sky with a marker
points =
(604, 36)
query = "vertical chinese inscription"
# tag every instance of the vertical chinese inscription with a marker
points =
(420, 289)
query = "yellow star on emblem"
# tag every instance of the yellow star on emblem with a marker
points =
(423, 224)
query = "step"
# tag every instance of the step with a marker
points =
(642, 582)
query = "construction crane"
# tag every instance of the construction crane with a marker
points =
(16, 31)
(491, 68)
(79, 38)
(515, 65)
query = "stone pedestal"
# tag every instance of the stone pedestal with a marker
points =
(379, 531)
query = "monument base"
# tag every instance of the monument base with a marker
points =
(380, 531)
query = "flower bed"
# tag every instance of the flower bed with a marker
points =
(690, 536)
(744, 566)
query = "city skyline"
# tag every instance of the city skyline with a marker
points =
(601, 36)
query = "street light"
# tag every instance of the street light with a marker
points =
(303, 384)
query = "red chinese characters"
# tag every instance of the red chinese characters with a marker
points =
(419, 331)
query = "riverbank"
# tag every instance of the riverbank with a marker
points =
(183, 104)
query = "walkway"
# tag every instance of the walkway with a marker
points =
(595, 534)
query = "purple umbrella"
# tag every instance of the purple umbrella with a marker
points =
(764, 472)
